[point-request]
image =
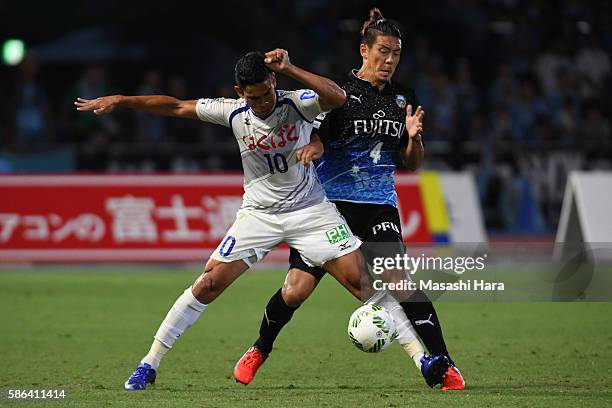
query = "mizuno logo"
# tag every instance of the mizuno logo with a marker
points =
(345, 245)
(428, 321)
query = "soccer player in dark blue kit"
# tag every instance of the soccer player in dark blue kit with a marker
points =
(364, 139)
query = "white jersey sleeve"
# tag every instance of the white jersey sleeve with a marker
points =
(307, 103)
(217, 111)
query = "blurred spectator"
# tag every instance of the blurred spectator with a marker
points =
(424, 66)
(545, 132)
(477, 129)
(181, 131)
(564, 90)
(443, 111)
(501, 126)
(504, 85)
(595, 132)
(150, 128)
(30, 105)
(526, 41)
(551, 61)
(593, 65)
(93, 83)
(593, 62)
(566, 119)
(466, 94)
(526, 106)
(94, 154)
(423, 55)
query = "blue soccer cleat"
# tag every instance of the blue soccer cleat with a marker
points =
(138, 380)
(433, 369)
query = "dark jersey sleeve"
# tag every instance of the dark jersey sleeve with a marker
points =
(321, 126)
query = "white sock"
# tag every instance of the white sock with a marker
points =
(184, 313)
(415, 350)
(158, 350)
(407, 336)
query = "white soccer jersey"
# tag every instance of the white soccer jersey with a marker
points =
(274, 180)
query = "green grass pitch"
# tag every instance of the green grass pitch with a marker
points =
(85, 330)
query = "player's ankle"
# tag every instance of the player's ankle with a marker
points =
(263, 346)
(156, 353)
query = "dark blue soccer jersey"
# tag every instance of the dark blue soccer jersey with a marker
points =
(362, 142)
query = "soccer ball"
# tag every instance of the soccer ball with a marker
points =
(371, 328)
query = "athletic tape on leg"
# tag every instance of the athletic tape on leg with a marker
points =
(405, 331)
(184, 313)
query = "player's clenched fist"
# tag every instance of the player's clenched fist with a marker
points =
(99, 106)
(277, 60)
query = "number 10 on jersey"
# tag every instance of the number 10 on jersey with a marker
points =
(276, 162)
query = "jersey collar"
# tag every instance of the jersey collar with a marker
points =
(276, 104)
(387, 89)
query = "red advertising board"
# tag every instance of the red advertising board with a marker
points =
(411, 207)
(120, 218)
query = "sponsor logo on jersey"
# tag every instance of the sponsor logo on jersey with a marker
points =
(357, 98)
(378, 127)
(337, 234)
(379, 114)
(401, 101)
(384, 226)
(274, 140)
(307, 95)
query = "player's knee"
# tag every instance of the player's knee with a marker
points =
(206, 289)
(295, 295)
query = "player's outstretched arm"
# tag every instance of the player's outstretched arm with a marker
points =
(160, 105)
(331, 96)
(413, 154)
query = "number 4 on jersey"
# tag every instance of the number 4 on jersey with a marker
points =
(375, 152)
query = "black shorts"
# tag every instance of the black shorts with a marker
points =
(377, 225)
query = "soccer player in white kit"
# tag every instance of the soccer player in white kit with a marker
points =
(283, 199)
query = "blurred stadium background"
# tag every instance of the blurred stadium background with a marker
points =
(517, 95)
(516, 92)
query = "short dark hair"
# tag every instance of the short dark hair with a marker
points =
(251, 69)
(377, 25)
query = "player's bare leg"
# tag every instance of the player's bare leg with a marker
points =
(349, 271)
(297, 287)
(217, 276)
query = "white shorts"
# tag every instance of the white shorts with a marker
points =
(320, 233)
